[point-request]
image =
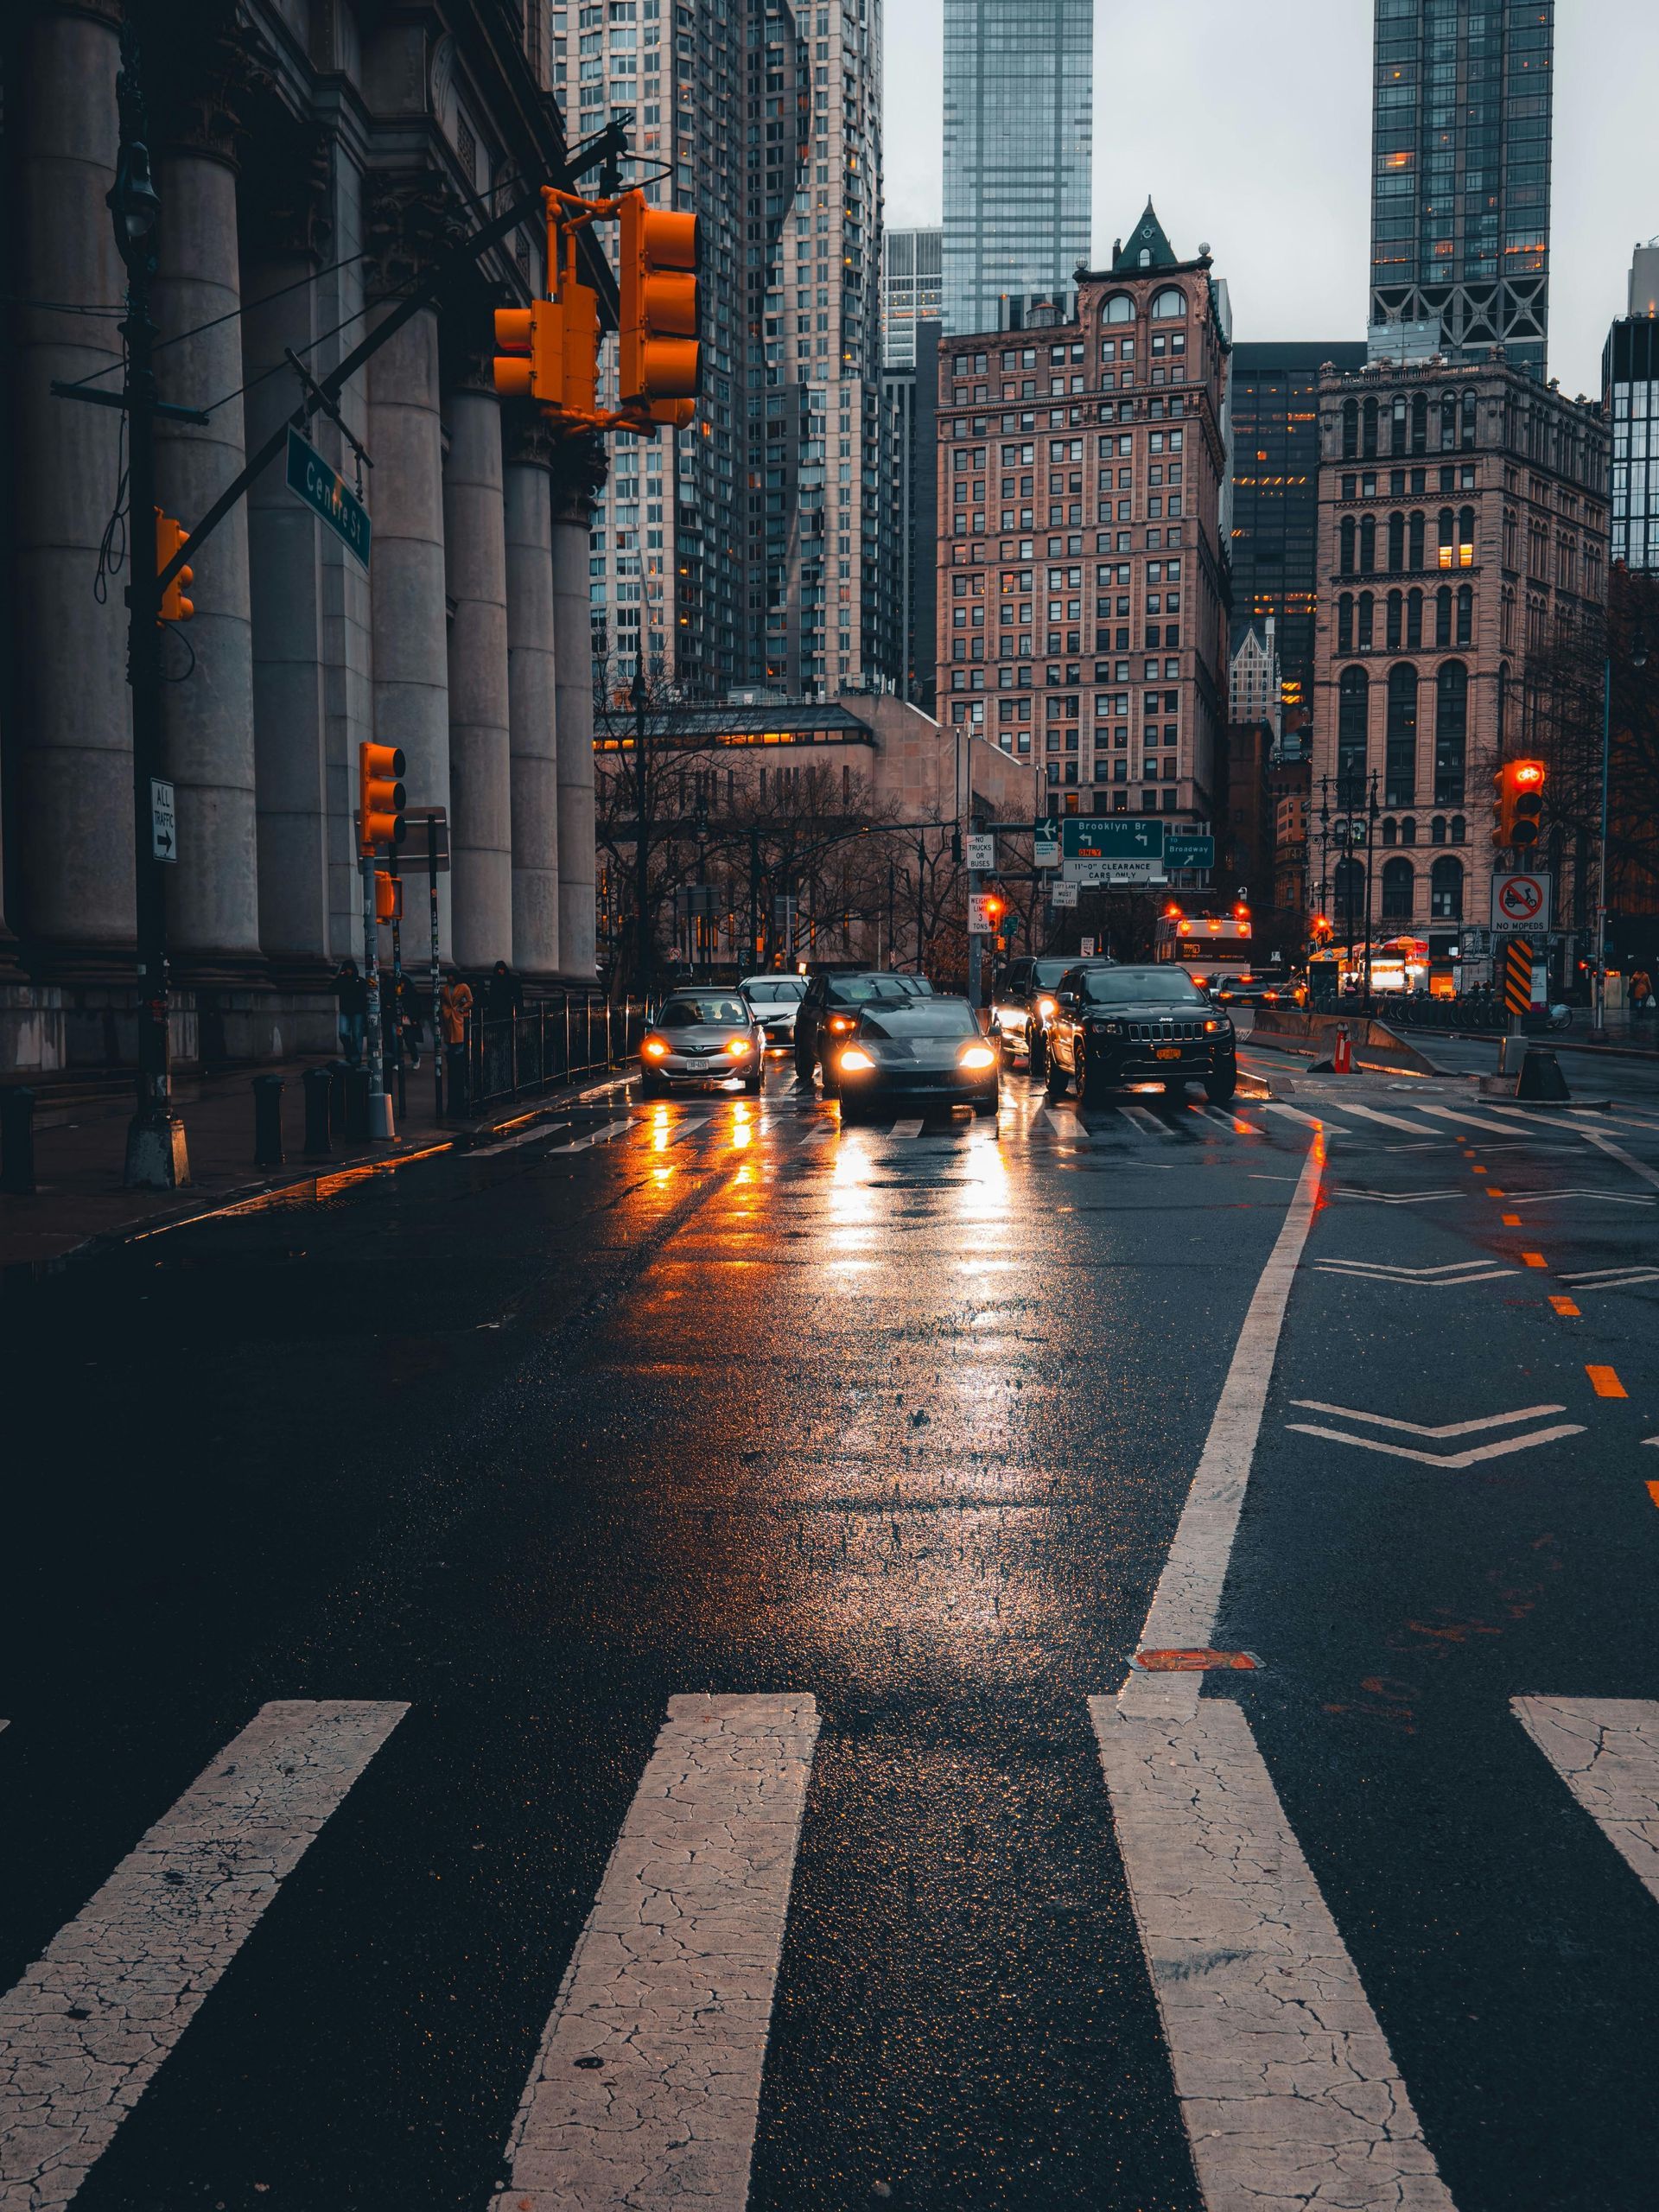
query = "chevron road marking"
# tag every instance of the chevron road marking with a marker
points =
(1313, 1121)
(84, 2033)
(1542, 1198)
(1475, 1453)
(1402, 1198)
(1611, 1278)
(1416, 1429)
(1447, 1278)
(1607, 1751)
(647, 2089)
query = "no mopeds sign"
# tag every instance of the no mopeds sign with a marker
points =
(1521, 902)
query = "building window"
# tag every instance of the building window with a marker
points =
(1346, 623)
(1398, 881)
(1169, 303)
(1397, 543)
(1396, 622)
(1119, 308)
(1445, 890)
(1351, 429)
(1399, 755)
(1367, 609)
(1415, 540)
(1353, 715)
(1368, 545)
(1451, 733)
(1414, 621)
(1466, 614)
(1346, 538)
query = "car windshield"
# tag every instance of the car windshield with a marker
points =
(1141, 987)
(1045, 974)
(921, 1018)
(692, 1014)
(775, 990)
(866, 990)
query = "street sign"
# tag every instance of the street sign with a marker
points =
(1112, 837)
(428, 846)
(980, 851)
(1045, 845)
(1062, 894)
(163, 825)
(1086, 948)
(1113, 871)
(1189, 849)
(1521, 902)
(321, 487)
(980, 920)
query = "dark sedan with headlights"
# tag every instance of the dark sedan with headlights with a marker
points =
(1119, 1025)
(916, 1051)
(702, 1037)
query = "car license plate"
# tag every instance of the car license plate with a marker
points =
(1168, 1053)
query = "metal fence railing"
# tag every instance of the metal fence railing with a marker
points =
(517, 1055)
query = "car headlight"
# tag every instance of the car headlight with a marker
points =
(977, 1056)
(1047, 1008)
(841, 1022)
(654, 1047)
(1218, 1028)
(1105, 1028)
(854, 1060)
(738, 1046)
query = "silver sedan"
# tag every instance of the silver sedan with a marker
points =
(702, 1037)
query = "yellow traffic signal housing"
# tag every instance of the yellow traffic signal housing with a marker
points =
(388, 897)
(381, 798)
(529, 359)
(549, 351)
(1520, 804)
(660, 356)
(170, 538)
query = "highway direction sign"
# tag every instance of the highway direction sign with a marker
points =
(1112, 837)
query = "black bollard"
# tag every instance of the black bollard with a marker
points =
(339, 1074)
(268, 1121)
(316, 1084)
(1541, 1078)
(357, 1106)
(18, 1141)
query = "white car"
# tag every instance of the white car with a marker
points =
(775, 999)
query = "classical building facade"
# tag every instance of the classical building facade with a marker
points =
(312, 159)
(1463, 529)
(1083, 590)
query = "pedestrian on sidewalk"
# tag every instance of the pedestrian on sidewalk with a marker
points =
(504, 995)
(407, 1017)
(455, 1012)
(1640, 991)
(352, 998)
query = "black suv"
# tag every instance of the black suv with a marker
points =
(1117, 1025)
(1024, 1004)
(831, 1008)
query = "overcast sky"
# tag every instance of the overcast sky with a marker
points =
(1249, 122)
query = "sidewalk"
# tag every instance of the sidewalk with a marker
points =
(79, 1201)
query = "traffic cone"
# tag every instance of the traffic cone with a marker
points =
(1342, 1057)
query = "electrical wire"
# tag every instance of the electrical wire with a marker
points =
(112, 545)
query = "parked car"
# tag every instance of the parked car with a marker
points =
(775, 1000)
(829, 1013)
(1023, 1005)
(702, 1037)
(918, 1052)
(1118, 1025)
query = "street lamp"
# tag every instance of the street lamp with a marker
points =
(1638, 660)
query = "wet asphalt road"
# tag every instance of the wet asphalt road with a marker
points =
(731, 1401)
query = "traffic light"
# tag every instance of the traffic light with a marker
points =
(388, 897)
(380, 797)
(170, 538)
(658, 325)
(530, 361)
(995, 907)
(549, 351)
(1520, 805)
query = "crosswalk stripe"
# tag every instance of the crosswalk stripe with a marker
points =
(603, 1135)
(1070, 1129)
(1313, 1121)
(1288, 2086)
(1235, 1124)
(1137, 1118)
(83, 2033)
(1470, 1120)
(911, 1128)
(1607, 1751)
(1389, 1121)
(647, 2089)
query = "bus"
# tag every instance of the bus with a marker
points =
(1213, 948)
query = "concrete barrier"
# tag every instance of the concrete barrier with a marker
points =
(1378, 1049)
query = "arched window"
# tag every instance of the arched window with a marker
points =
(1445, 890)
(1119, 308)
(1466, 614)
(1350, 425)
(1346, 623)
(1398, 881)
(1415, 536)
(1390, 831)
(1345, 536)
(1465, 538)
(1468, 421)
(1413, 620)
(1451, 733)
(1170, 302)
(1448, 422)
(1397, 424)
(1443, 617)
(1420, 423)
(1367, 615)
(1408, 830)
(1396, 621)
(1448, 526)
(1368, 415)
(1459, 830)
(1368, 545)
(1437, 831)
(1353, 718)
(1400, 743)
(1397, 543)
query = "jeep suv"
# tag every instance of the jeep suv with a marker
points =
(1118, 1025)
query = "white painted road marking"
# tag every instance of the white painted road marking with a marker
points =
(1455, 1273)
(83, 2033)
(1402, 1198)
(1637, 1167)
(1471, 1121)
(1542, 1198)
(1289, 2092)
(1416, 1429)
(1472, 1457)
(1607, 1751)
(1139, 1118)
(598, 1136)
(912, 1128)
(1313, 1121)
(544, 1129)
(671, 1982)
(1389, 1121)
(1624, 1278)
(1067, 1127)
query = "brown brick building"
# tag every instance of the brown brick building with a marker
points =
(1463, 525)
(1082, 588)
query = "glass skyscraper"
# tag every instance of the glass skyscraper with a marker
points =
(1018, 136)
(1630, 385)
(1460, 179)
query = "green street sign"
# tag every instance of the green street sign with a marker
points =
(1111, 837)
(323, 489)
(1189, 849)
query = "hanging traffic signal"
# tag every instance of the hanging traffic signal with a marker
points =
(660, 356)
(381, 798)
(1520, 804)
(530, 359)
(172, 537)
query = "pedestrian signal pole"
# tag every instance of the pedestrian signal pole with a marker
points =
(381, 800)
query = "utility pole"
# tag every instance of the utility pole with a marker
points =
(1372, 811)
(641, 845)
(754, 894)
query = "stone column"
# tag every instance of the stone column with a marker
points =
(580, 470)
(289, 654)
(480, 770)
(207, 719)
(408, 612)
(532, 699)
(73, 728)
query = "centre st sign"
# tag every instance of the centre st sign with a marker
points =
(323, 489)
